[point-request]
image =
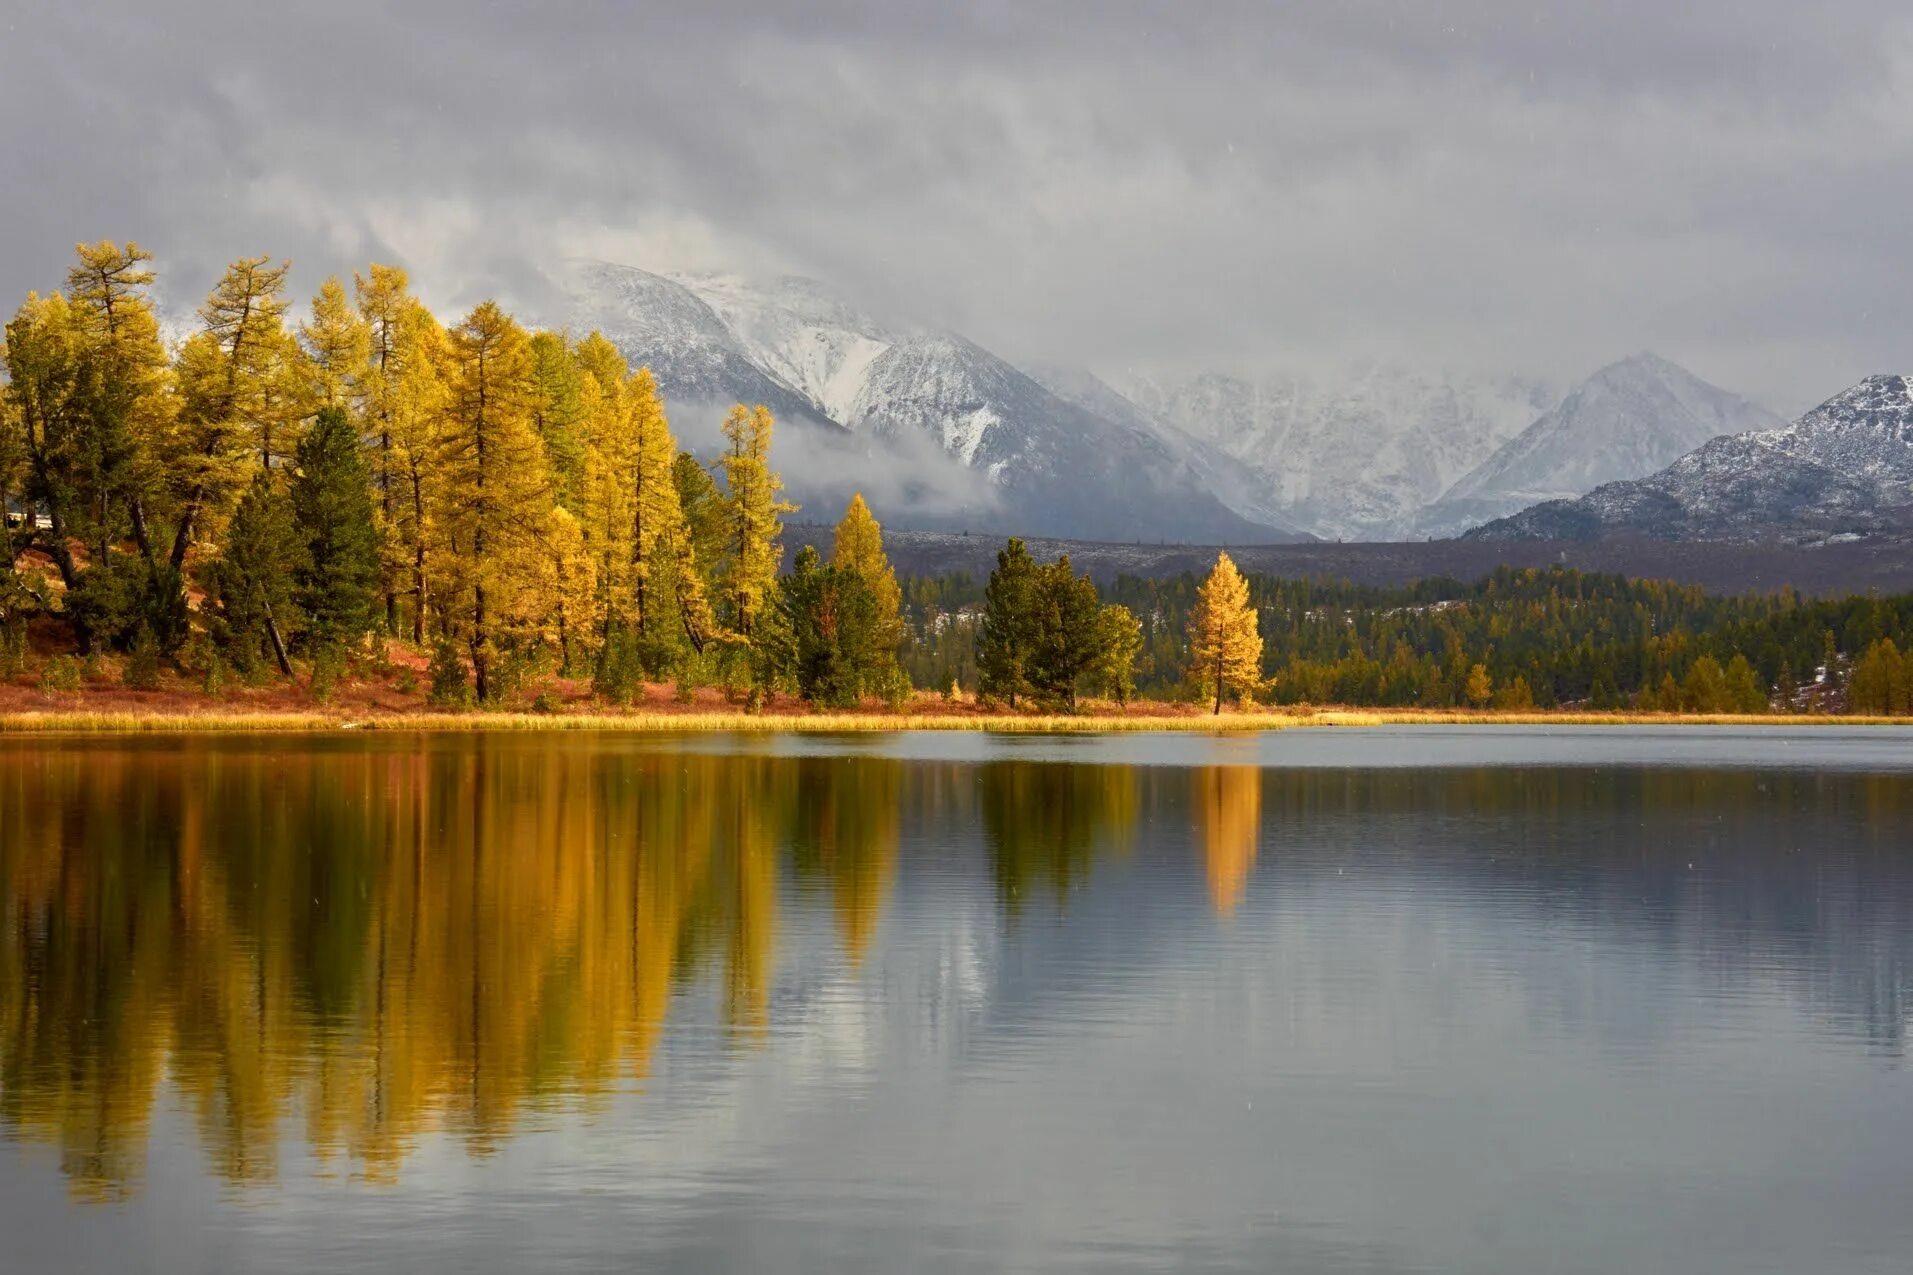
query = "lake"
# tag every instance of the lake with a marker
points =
(1413, 1000)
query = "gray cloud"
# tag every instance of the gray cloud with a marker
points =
(1533, 187)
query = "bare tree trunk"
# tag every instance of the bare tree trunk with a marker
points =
(418, 591)
(278, 642)
(184, 536)
(418, 556)
(140, 534)
(61, 550)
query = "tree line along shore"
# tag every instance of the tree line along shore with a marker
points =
(365, 510)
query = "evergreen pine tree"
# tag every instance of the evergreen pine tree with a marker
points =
(1743, 692)
(1118, 640)
(1786, 688)
(253, 577)
(703, 507)
(1704, 689)
(1063, 645)
(337, 578)
(1005, 635)
(1879, 682)
(804, 642)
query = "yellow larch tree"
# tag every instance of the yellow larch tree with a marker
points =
(648, 582)
(337, 341)
(1225, 643)
(858, 547)
(659, 545)
(420, 399)
(752, 512)
(235, 392)
(608, 490)
(497, 492)
(385, 305)
(117, 345)
(567, 588)
(1481, 687)
(557, 414)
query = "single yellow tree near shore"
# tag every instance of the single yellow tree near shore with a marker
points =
(1481, 687)
(858, 547)
(1225, 643)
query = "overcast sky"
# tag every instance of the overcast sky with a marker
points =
(1525, 187)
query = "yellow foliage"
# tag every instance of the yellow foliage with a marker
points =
(497, 493)
(858, 547)
(482, 931)
(338, 343)
(1225, 642)
(1481, 687)
(753, 511)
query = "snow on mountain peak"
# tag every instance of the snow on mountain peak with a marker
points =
(1627, 420)
(1357, 457)
(959, 435)
(963, 437)
(1844, 468)
(803, 332)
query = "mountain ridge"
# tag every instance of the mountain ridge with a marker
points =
(947, 433)
(1358, 459)
(1627, 420)
(944, 435)
(1844, 469)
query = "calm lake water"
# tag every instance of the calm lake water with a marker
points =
(1465, 1000)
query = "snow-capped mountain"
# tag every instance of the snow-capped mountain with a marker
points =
(1626, 421)
(694, 354)
(1358, 459)
(939, 432)
(800, 333)
(1206, 464)
(1845, 468)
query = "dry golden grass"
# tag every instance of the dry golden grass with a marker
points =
(761, 723)
(79, 720)
(1575, 717)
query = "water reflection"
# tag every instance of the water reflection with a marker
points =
(345, 948)
(388, 940)
(1045, 824)
(1229, 811)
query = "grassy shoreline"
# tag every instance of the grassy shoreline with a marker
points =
(79, 720)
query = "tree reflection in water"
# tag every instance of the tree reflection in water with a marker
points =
(390, 937)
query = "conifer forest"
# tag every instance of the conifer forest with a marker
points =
(286, 493)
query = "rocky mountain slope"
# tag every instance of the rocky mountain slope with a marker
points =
(1843, 470)
(1356, 459)
(1203, 462)
(670, 329)
(937, 430)
(1626, 421)
(942, 434)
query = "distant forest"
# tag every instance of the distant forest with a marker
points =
(1518, 638)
